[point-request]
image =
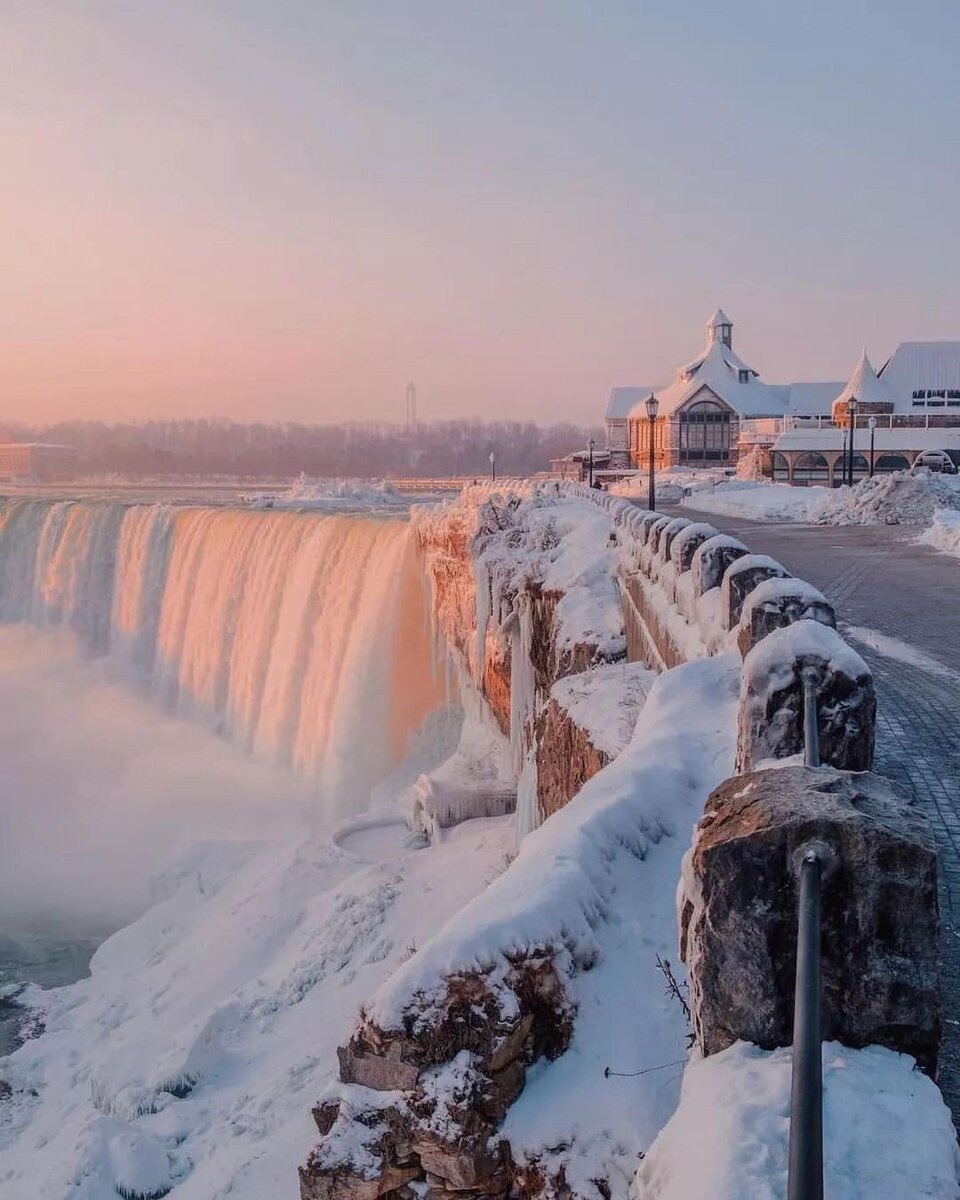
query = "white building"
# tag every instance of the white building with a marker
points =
(717, 407)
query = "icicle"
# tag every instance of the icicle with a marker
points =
(528, 808)
(483, 608)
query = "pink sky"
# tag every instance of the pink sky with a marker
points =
(278, 211)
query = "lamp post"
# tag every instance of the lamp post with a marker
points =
(873, 430)
(852, 409)
(591, 444)
(493, 467)
(652, 405)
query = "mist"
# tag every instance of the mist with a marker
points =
(101, 789)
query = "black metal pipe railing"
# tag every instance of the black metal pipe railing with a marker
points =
(805, 1161)
(811, 729)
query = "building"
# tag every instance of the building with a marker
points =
(701, 411)
(40, 461)
(913, 402)
(717, 407)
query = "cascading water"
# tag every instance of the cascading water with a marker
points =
(299, 636)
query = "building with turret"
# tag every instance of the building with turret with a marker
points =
(717, 407)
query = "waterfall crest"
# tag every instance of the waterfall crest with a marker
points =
(299, 636)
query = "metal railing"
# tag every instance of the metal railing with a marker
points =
(805, 1158)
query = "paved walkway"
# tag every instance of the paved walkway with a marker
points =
(879, 579)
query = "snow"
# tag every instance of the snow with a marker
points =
(898, 498)
(605, 702)
(891, 647)
(336, 495)
(887, 1131)
(944, 532)
(210, 1025)
(864, 386)
(760, 501)
(773, 657)
(559, 890)
(771, 590)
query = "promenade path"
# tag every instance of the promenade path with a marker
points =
(899, 604)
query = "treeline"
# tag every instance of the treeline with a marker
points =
(284, 450)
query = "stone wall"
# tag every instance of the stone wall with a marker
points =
(566, 758)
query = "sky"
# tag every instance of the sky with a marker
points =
(277, 210)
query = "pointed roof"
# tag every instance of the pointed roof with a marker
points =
(718, 318)
(864, 385)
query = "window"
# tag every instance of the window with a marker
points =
(919, 394)
(810, 468)
(918, 404)
(781, 470)
(891, 462)
(744, 375)
(705, 433)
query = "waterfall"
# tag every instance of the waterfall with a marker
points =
(298, 636)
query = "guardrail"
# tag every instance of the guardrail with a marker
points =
(805, 1158)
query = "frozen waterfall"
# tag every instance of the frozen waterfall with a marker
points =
(299, 636)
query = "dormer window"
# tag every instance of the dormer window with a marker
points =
(744, 375)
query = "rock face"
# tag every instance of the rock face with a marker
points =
(770, 723)
(738, 913)
(566, 758)
(438, 1089)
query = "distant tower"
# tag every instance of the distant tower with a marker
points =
(411, 407)
(720, 329)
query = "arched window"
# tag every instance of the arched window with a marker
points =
(705, 434)
(861, 469)
(891, 462)
(781, 469)
(810, 468)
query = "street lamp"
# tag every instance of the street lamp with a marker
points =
(873, 429)
(652, 405)
(852, 409)
(493, 467)
(591, 445)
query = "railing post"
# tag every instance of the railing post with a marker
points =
(805, 1163)
(811, 726)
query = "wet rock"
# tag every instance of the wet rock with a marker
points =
(738, 913)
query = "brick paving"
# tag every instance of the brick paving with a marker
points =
(879, 578)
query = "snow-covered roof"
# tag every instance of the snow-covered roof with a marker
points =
(623, 399)
(930, 366)
(864, 385)
(886, 439)
(809, 399)
(718, 318)
(719, 370)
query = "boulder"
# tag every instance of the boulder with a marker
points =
(686, 542)
(771, 716)
(777, 602)
(738, 912)
(739, 580)
(711, 559)
(668, 533)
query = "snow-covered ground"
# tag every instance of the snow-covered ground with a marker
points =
(191, 1057)
(900, 498)
(944, 532)
(887, 1131)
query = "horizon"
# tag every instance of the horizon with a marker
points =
(233, 211)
